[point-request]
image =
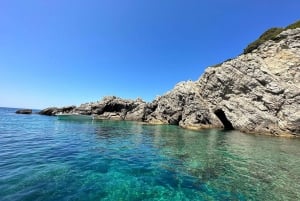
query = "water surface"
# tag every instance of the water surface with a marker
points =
(42, 158)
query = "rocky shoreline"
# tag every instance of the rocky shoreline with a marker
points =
(256, 92)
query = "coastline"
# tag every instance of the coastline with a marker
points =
(256, 92)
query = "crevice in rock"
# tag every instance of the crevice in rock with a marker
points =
(226, 123)
(175, 119)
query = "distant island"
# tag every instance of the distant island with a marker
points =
(256, 92)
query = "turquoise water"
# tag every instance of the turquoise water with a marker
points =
(42, 158)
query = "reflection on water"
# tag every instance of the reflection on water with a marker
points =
(43, 158)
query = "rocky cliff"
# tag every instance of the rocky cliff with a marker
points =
(257, 92)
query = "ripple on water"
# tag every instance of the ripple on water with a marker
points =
(46, 159)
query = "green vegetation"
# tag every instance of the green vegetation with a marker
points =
(219, 64)
(294, 26)
(270, 34)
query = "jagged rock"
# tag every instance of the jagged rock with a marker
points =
(109, 107)
(116, 108)
(259, 92)
(51, 111)
(256, 92)
(24, 111)
(138, 111)
(178, 107)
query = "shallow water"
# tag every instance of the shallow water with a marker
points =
(42, 158)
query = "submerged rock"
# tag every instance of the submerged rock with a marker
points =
(24, 111)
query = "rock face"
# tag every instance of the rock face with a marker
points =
(183, 106)
(24, 111)
(257, 92)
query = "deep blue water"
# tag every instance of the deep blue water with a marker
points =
(42, 158)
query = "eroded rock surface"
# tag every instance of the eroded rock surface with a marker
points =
(109, 107)
(51, 111)
(257, 92)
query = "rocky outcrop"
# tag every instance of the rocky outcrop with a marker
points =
(183, 106)
(24, 111)
(110, 107)
(52, 111)
(257, 92)
(120, 109)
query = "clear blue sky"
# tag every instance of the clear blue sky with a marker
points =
(64, 52)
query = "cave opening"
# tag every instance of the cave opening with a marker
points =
(226, 123)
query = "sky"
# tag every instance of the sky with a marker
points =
(68, 52)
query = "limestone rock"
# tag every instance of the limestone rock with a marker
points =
(257, 92)
(51, 111)
(182, 106)
(109, 107)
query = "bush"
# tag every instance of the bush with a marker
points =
(270, 34)
(294, 26)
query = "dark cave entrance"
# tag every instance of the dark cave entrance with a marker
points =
(221, 115)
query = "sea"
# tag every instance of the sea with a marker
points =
(46, 159)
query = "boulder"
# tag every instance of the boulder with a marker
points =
(24, 111)
(51, 111)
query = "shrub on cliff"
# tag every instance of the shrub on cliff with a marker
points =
(270, 34)
(294, 26)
